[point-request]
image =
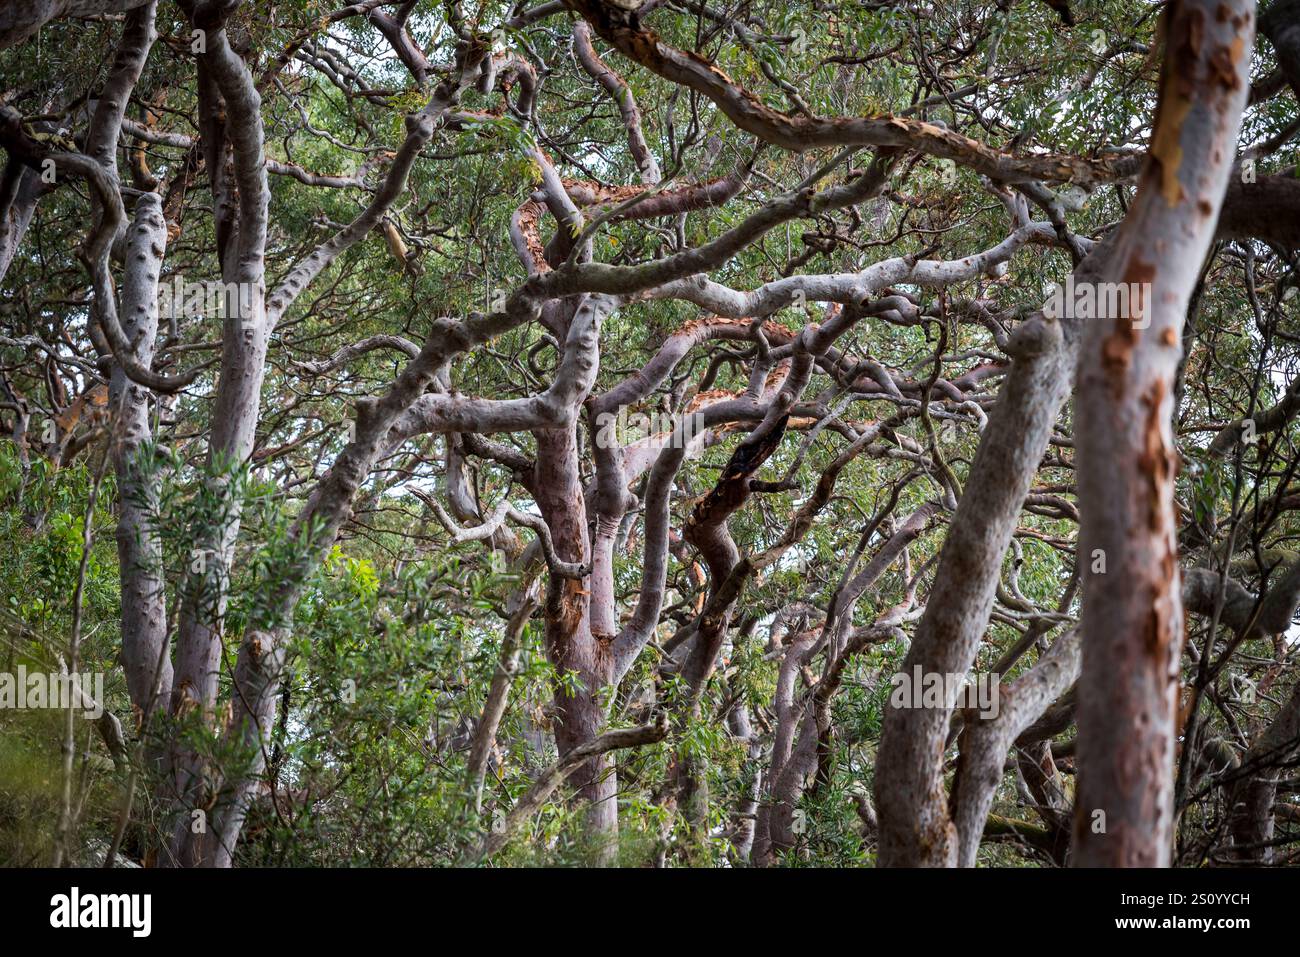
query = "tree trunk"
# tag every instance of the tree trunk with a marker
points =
(145, 656)
(584, 664)
(1132, 608)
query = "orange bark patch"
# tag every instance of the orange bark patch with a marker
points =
(528, 218)
(1117, 348)
(1223, 64)
(1156, 462)
(710, 322)
(94, 398)
(778, 373)
(1176, 101)
(568, 606)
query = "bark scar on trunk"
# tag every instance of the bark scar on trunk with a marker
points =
(1156, 460)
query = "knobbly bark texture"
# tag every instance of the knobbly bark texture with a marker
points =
(146, 656)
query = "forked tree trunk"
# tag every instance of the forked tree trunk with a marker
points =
(583, 663)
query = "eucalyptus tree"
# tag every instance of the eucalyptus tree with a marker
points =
(772, 361)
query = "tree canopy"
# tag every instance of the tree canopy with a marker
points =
(671, 433)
